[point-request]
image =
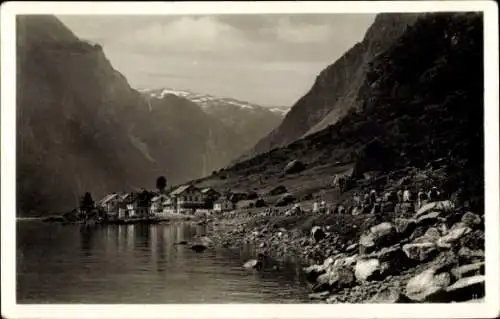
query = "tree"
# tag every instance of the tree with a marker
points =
(86, 203)
(161, 183)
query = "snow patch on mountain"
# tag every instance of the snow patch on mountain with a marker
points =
(205, 101)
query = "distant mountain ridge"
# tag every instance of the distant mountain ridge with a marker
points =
(206, 101)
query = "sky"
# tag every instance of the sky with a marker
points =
(265, 59)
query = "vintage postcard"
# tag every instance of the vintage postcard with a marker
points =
(250, 159)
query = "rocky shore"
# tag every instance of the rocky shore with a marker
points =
(433, 254)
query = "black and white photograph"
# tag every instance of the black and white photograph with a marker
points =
(215, 153)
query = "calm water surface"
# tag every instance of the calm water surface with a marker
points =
(140, 264)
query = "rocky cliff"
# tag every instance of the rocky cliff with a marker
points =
(335, 90)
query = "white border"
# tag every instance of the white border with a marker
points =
(10, 310)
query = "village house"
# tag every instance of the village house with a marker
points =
(223, 205)
(185, 199)
(158, 206)
(210, 195)
(110, 205)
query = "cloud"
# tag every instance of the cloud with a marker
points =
(267, 58)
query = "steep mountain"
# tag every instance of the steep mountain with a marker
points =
(249, 122)
(81, 127)
(335, 90)
(422, 103)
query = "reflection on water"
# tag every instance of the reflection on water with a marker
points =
(140, 264)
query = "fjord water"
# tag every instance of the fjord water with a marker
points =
(141, 264)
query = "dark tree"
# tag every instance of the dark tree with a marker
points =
(161, 183)
(86, 203)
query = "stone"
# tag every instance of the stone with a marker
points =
(294, 166)
(473, 240)
(198, 247)
(253, 264)
(345, 261)
(453, 235)
(471, 220)
(466, 288)
(467, 255)
(317, 233)
(377, 236)
(428, 219)
(427, 284)
(320, 295)
(420, 251)
(432, 234)
(389, 295)
(351, 248)
(468, 270)
(405, 226)
(336, 278)
(367, 269)
(445, 206)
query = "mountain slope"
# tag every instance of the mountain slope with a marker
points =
(81, 127)
(422, 100)
(335, 90)
(246, 122)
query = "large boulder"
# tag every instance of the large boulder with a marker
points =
(367, 269)
(444, 206)
(467, 255)
(468, 270)
(465, 289)
(457, 232)
(335, 278)
(313, 272)
(428, 219)
(393, 257)
(472, 220)
(427, 285)
(381, 235)
(405, 226)
(294, 166)
(420, 251)
(389, 295)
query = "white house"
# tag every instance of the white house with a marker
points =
(110, 205)
(158, 205)
(186, 199)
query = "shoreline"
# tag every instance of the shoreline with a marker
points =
(341, 268)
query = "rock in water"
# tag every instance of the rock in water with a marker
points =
(253, 264)
(198, 247)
